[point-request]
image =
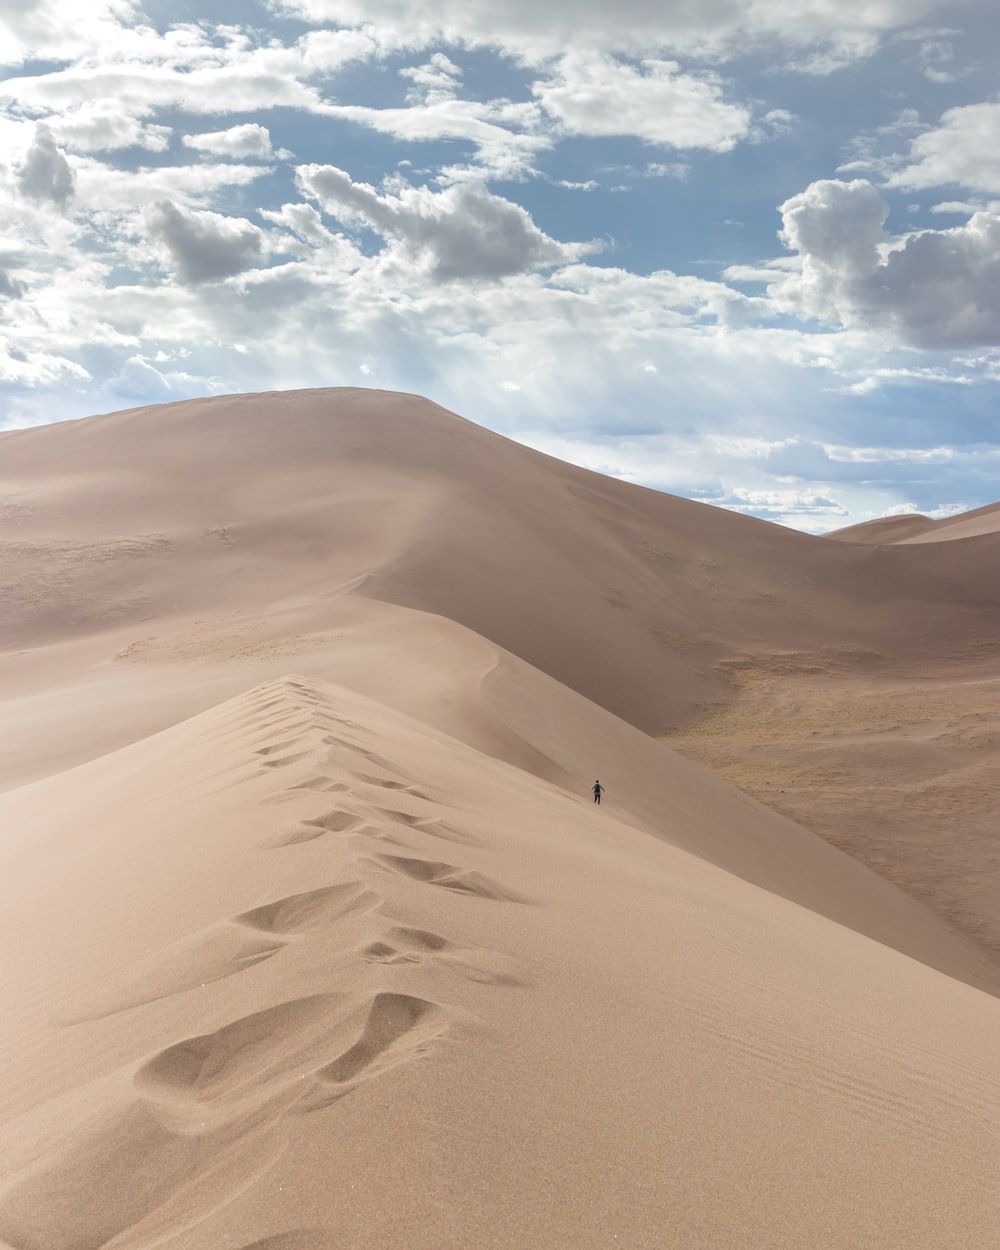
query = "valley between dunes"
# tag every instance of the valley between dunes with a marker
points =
(312, 935)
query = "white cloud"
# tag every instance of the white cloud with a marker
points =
(932, 289)
(506, 136)
(875, 151)
(36, 367)
(747, 448)
(202, 70)
(139, 379)
(303, 220)
(773, 124)
(876, 379)
(936, 56)
(438, 80)
(44, 28)
(599, 95)
(964, 208)
(799, 502)
(100, 126)
(835, 33)
(108, 191)
(239, 142)
(462, 232)
(884, 455)
(45, 173)
(204, 246)
(946, 510)
(963, 150)
(672, 169)
(937, 59)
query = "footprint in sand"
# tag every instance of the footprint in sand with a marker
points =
(371, 756)
(386, 783)
(449, 877)
(320, 785)
(264, 1057)
(412, 946)
(203, 1123)
(250, 1054)
(393, 1028)
(312, 909)
(281, 744)
(430, 825)
(336, 821)
(323, 785)
(405, 945)
(283, 761)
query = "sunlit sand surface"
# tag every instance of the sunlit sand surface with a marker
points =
(312, 936)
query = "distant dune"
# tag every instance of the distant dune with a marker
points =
(889, 529)
(914, 528)
(312, 934)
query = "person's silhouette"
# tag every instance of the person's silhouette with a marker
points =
(598, 791)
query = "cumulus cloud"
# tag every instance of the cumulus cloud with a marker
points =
(249, 140)
(302, 220)
(438, 80)
(140, 379)
(45, 173)
(600, 95)
(462, 232)
(41, 29)
(99, 126)
(204, 246)
(931, 289)
(964, 149)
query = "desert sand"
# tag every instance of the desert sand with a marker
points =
(312, 935)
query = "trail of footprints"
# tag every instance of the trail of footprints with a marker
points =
(215, 1101)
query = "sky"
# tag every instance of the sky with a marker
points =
(744, 251)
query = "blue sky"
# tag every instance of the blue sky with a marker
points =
(746, 251)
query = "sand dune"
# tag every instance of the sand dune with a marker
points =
(453, 1005)
(915, 528)
(203, 509)
(311, 934)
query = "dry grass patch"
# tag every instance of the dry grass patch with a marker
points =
(899, 771)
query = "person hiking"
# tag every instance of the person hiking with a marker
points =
(598, 791)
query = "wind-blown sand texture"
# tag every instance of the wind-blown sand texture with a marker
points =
(312, 936)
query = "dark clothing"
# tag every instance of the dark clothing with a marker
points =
(598, 791)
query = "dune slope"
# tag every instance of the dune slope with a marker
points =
(288, 501)
(364, 985)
